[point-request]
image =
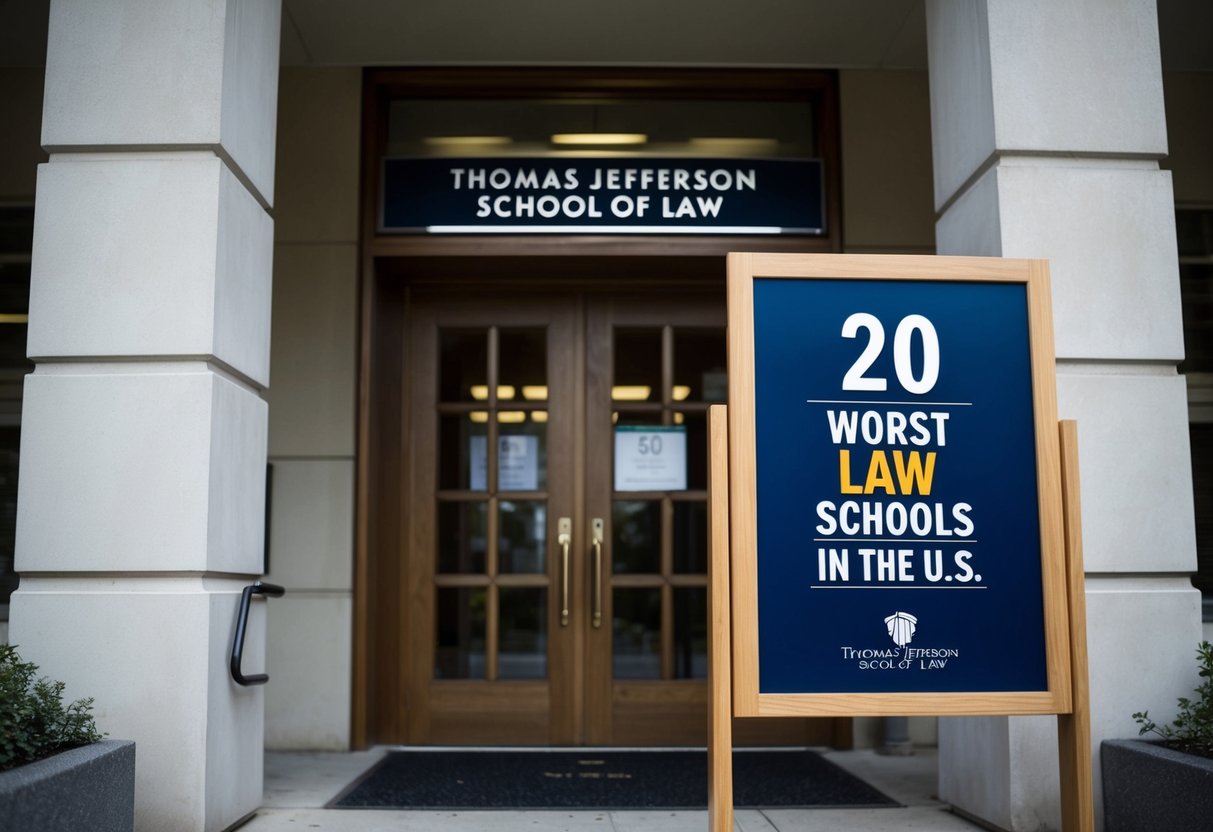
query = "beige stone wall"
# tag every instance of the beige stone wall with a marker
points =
(886, 162)
(313, 368)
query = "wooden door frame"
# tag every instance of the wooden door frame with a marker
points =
(387, 261)
(544, 710)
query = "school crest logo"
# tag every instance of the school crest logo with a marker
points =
(901, 627)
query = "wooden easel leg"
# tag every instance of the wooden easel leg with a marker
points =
(1074, 729)
(720, 681)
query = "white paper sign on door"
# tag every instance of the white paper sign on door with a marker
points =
(517, 463)
(650, 458)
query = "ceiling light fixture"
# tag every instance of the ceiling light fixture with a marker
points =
(467, 141)
(599, 138)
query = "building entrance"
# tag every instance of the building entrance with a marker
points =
(555, 563)
(538, 355)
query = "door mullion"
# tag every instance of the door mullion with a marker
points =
(491, 633)
(667, 513)
(667, 591)
(492, 605)
(492, 629)
(667, 373)
(490, 450)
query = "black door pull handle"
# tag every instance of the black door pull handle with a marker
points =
(257, 588)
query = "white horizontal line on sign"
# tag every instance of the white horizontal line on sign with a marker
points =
(857, 401)
(900, 540)
(828, 586)
(615, 229)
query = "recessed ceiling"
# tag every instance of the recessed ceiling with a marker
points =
(819, 33)
(799, 33)
(888, 34)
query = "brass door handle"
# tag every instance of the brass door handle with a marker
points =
(596, 536)
(564, 536)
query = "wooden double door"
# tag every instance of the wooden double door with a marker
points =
(556, 591)
(555, 567)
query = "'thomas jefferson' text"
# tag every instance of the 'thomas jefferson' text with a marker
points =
(606, 179)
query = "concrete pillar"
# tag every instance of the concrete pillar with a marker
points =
(1047, 124)
(142, 498)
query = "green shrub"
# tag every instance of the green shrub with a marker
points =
(33, 720)
(1192, 729)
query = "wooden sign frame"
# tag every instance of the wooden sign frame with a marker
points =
(747, 699)
(733, 535)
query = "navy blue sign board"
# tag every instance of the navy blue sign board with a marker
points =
(604, 195)
(895, 498)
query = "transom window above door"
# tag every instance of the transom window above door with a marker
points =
(600, 126)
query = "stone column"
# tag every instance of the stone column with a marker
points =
(1047, 125)
(142, 498)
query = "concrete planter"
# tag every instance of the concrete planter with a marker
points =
(1148, 787)
(91, 787)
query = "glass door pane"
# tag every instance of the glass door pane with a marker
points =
(490, 576)
(664, 378)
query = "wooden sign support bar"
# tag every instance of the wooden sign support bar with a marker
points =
(720, 676)
(1074, 728)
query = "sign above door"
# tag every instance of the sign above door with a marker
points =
(601, 195)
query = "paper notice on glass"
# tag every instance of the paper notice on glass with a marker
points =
(650, 458)
(517, 463)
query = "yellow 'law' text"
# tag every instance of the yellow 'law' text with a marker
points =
(913, 475)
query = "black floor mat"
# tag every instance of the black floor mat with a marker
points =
(595, 779)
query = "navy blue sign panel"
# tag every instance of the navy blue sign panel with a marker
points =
(897, 506)
(610, 195)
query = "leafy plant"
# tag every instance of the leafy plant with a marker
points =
(34, 722)
(1192, 729)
